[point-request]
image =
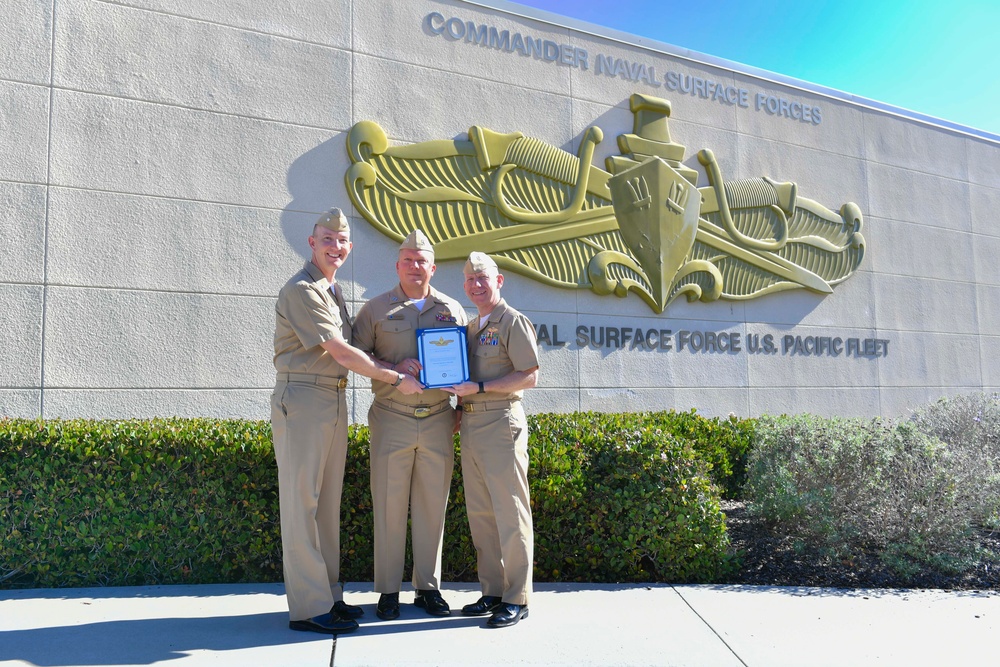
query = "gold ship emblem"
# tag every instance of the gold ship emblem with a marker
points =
(641, 226)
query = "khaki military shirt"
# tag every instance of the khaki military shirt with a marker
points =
(506, 343)
(307, 314)
(387, 326)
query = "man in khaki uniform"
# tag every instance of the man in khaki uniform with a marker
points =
(312, 355)
(412, 450)
(503, 362)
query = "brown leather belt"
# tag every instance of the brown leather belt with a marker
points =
(309, 378)
(415, 411)
(483, 406)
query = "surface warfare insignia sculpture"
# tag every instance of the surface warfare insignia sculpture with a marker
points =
(641, 226)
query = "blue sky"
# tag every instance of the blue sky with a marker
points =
(937, 58)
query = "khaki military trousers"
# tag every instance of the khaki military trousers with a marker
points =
(309, 424)
(495, 474)
(411, 467)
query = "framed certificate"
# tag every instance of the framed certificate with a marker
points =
(443, 355)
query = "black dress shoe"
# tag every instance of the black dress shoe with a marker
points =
(345, 610)
(327, 624)
(388, 606)
(507, 614)
(483, 606)
(432, 602)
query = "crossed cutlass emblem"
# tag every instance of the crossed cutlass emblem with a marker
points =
(641, 226)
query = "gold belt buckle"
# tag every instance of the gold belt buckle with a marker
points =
(342, 384)
(420, 413)
(468, 407)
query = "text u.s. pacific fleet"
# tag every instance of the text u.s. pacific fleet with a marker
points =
(657, 339)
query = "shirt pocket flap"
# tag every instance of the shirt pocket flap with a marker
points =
(487, 351)
(396, 326)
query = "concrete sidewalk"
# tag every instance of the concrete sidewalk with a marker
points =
(570, 624)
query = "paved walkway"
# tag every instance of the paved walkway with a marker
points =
(570, 624)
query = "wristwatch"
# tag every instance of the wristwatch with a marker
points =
(399, 380)
(482, 389)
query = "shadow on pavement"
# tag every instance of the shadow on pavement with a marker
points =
(145, 641)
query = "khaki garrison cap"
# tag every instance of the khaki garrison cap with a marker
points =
(479, 262)
(417, 240)
(334, 220)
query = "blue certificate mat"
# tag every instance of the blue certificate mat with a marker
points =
(443, 355)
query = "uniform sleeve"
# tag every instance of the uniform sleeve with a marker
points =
(363, 336)
(310, 315)
(461, 318)
(521, 346)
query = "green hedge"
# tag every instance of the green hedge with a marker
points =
(137, 502)
(916, 495)
(615, 498)
(723, 444)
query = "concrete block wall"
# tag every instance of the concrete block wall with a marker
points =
(164, 163)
